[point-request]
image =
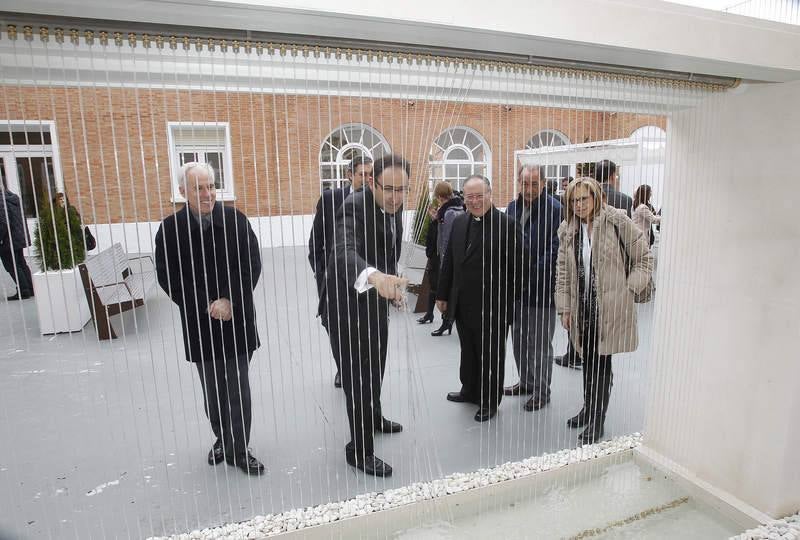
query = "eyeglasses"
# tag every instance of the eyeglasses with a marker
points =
(475, 196)
(399, 190)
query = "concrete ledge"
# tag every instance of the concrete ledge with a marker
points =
(728, 505)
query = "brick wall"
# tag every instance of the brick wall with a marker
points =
(114, 149)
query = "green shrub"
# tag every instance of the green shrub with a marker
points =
(58, 239)
(422, 221)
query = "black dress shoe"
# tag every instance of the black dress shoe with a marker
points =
(516, 390)
(337, 381)
(569, 361)
(371, 465)
(484, 414)
(535, 403)
(579, 420)
(216, 455)
(13, 297)
(384, 425)
(592, 433)
(248, 464)
(428, 318)
(457, 397)
(27, 295)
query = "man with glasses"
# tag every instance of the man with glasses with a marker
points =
(477, 285)
(361, 279)
(320, 243)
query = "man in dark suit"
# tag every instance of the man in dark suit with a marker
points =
(320, 242)
(605, 172)
(539, 215)
(478, 283)
(208, 262)
(361, 281)
(13, 239)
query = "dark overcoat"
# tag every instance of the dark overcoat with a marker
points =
(13, 227)
(196, 266)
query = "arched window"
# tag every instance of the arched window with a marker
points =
(653, 141)
(551, 137)
(343, 144)
(649, 169)
(457, 153)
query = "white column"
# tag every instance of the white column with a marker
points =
(724, 399)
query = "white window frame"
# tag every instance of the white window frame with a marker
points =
(441, 165)
(11, 152)
(341, 163)
(565, 142)
(226, 194)
(34, 150)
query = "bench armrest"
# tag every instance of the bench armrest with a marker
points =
(130, 292)
(148, 257)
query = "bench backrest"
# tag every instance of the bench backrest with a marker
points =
(109, 266)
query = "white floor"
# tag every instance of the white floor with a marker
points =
(108, 439)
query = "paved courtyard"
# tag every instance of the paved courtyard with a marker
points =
(109, 440)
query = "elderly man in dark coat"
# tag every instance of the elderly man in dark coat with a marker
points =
(208, 262)
(361, 281)
(478, 285)
(13, 239)
(539, 215)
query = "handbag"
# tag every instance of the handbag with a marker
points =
(646, 294)
(91, 242)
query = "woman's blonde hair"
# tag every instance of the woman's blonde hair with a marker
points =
(594, 190)
(443, 189)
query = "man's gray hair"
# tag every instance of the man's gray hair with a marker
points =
(195, 165)
(538, 168)
(480, 177)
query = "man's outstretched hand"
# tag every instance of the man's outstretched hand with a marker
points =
(388, 286)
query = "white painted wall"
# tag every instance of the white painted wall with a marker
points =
(271, 231)
(725, 394)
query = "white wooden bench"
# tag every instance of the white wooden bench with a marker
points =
(112, 286)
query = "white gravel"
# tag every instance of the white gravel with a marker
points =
(787, 528)
(271, 525)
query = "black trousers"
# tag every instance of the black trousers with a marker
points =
(14, 263)
(226, 399)
(483, 353)
(433, 281)
(335, 350)
(361, 342)
(597, 374)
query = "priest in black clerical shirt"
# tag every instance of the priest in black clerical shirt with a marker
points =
(479, 280)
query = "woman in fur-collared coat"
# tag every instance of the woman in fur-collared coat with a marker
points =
(603, 260)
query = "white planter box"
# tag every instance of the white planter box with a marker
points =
(416, 257)
(60, 301)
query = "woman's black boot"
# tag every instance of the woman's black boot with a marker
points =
(447, 326)
(428, 318)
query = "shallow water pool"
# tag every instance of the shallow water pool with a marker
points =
(627, 499)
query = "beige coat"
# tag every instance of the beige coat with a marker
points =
(616, 308)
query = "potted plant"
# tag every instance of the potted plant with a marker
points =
(419, 230)
(58, 245)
